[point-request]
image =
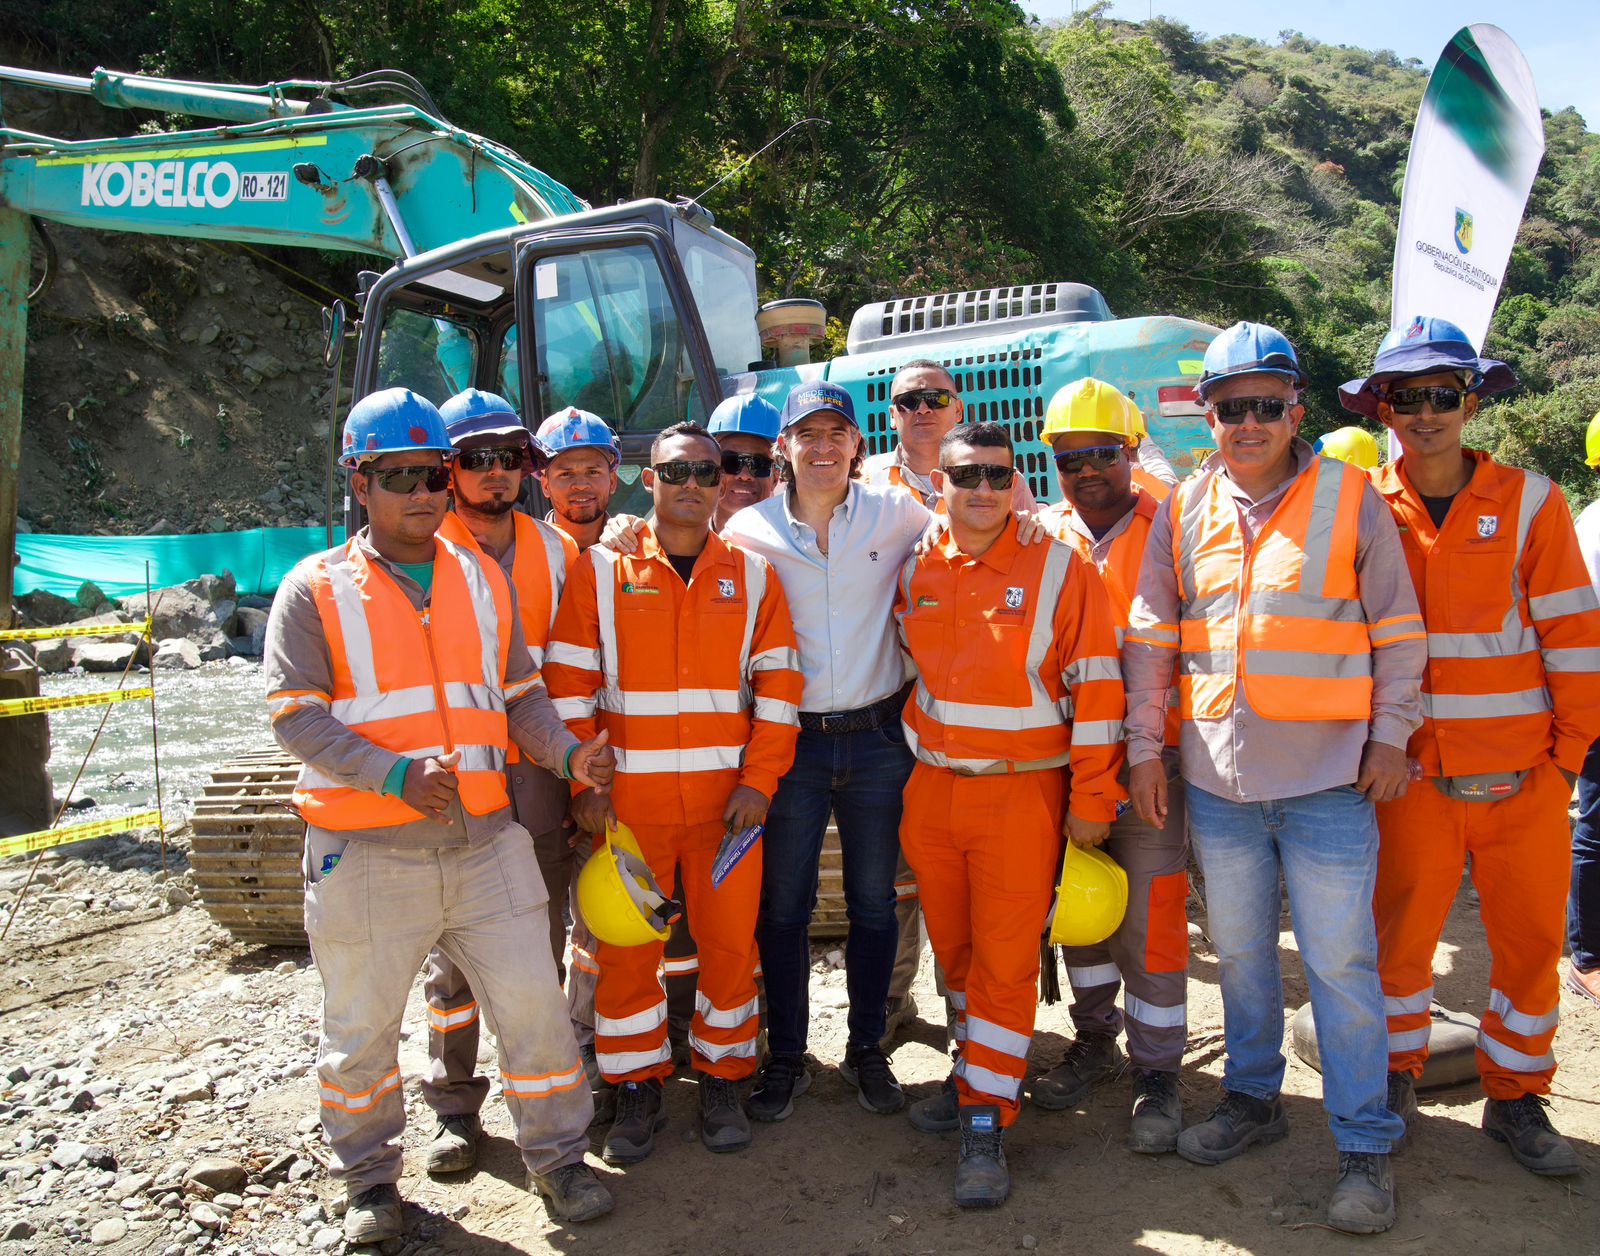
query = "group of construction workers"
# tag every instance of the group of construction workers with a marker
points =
(1349, 685)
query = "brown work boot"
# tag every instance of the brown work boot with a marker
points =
(1524, 1127)
(454, 1148)
(572, 1193)
(1089, 1061)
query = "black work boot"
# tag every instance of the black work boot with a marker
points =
(572, 1193)
(1089, 1061)
(1157, 1112)
(1363, 1198)
(982, 1179)
(1235, 1125)
(640, 1113)
(867, 1069)
(1524, 1127)
(782, 1079)
(941, 1112)
(1402, 1101)
(454, 1148)
(723, 1124)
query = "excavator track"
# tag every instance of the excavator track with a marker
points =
(248, 843)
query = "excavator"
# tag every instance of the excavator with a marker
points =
(502, 278)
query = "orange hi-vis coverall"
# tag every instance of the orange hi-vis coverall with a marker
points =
(1017, 679)
(1513, 690)
(1148, 955)
(699, 688)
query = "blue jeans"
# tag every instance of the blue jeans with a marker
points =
(860, 778)
(1326, 846)
(1583, 905)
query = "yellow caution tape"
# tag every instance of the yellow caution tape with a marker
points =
(38, 706)
(67, 630)
(78, 832)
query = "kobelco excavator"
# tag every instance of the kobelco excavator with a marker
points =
(504, 279)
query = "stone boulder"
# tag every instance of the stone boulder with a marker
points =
(53, 656)
(252, 625)
(110, 618)
(45, 609)
(176, 654)
(106, 656)
(200, 610)
(92, 599)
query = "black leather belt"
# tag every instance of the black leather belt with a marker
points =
(835, 723)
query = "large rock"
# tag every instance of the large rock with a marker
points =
(47, 609)
(110, 656)
(252, 623)
(199, 610)
(176, 654)
(53, 656)
(92, 599)
(216, 1174)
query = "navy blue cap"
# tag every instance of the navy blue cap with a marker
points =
(1424, 346)
(813, 398)
(478, 413)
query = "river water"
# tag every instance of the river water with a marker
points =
(203, 718)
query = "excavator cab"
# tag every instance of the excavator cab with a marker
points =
(638, 313)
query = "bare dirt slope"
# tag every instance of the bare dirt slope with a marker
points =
(174, 1042)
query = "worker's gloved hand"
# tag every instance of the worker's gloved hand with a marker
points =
(431, 785)
(1384, 772)
(593, 812)
(594, 763)
(746, 807)
(622, 534)
(1081, 832)
(1147, 787)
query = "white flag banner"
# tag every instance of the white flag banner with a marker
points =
(1474, 152)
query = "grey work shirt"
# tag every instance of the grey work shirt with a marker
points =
(297, 660)
(1246, 757)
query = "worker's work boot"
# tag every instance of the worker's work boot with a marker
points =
(454, 1148)
(867, 1069)
(1157, 1112)
(782, 1079)
(1524, 1127)
(374, 1215)
(723, 1124)
(1402, 1102)
(982, 1179)
(1363, 1198)
(640, 1113)
(901, 1012)
(1238, 1123)
(572, 1193)
(591, 1065)
(1089, 1061)
(939, 1113)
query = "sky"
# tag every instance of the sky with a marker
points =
(1558, 38)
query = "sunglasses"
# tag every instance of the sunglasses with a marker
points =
(706, 474)
(404, 480)
(1097, 456)
(758, 465)
(971, 474)
(933, 398)
(1442, 398)
(1235, 409)
(506, 457)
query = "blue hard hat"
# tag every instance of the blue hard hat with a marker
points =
(573, 428)
(812, 398)
(478, 413)
(747, 413)
(1425, 346)
(395, 420)
(1250, 349)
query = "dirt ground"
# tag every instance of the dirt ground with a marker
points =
(100, 979)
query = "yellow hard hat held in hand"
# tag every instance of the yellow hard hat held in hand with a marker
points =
(1091, 899)
(618, 895)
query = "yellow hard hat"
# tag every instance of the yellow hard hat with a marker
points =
(1354, 445)
(618, 896)
(1091, 899)
(1092, 405)
(1591, 442)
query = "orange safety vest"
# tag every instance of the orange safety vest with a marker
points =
(1282, 615)
(1513, 624)
(419, 684)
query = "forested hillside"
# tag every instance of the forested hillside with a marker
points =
(956, 145)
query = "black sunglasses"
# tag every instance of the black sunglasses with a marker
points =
(706, 474)
(506, 457)
(933, 398)
(1235, 409)
(971, 474)
(404, 480)
(758, 465)
(1099, 457)
(1442, 398)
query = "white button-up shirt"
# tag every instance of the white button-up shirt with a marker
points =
(842, 601)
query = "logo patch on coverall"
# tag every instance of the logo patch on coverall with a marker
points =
(1014, 598)
(628, 586)
(725, 588)
(1488, 525)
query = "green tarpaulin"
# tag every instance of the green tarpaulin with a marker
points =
(258, 559)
